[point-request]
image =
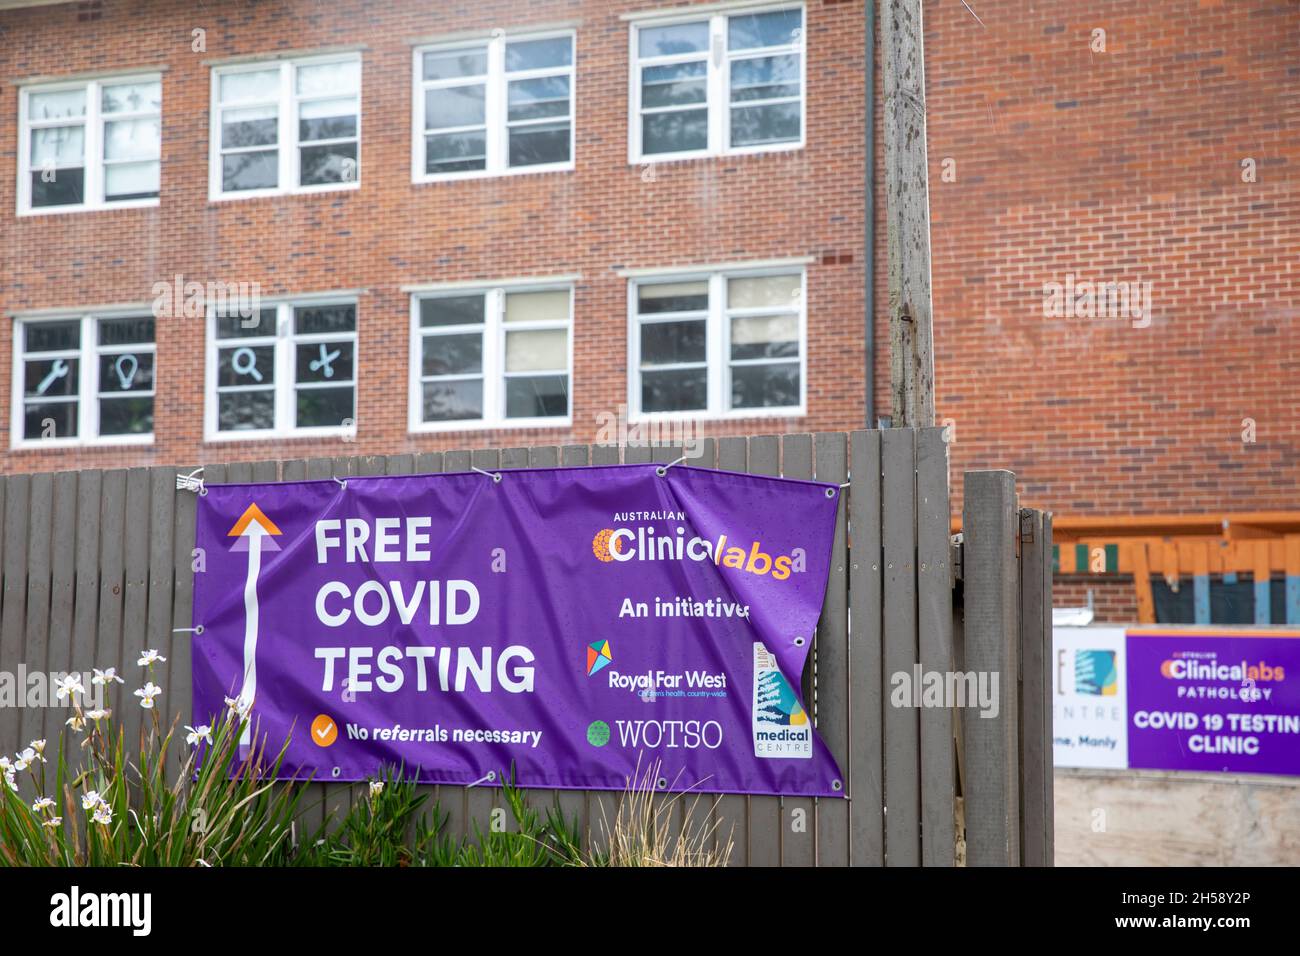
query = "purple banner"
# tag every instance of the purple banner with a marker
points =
(1214, 702)
(567, 623)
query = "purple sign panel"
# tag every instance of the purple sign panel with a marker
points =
(567, 625)
(1214, 701)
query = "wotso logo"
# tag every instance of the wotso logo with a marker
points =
(669, 734)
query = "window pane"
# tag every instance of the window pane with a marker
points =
(674, 132)
(765, 336)
(539, 54)
(765, 386)
(452, 354)
(678, 38)
(451, 310)
(126, 372)
(536, 351)
(455, 106)
(132, 98)
(538, 306)
(324, 407)
(758, 292)
(245, 411)
(322, 319)
(50, 377)
(324, 362)
(66, 187)
(131, 181)
(126, 331)
(670, 343)
(51, 336)
(534, 145)
(455, 63)
(764, 78)
(321, 79)
(246, 365)
(58, 146)
(61, 104)
(674, 85)
(126, 416)
(328, 164)
(539, 98)
(256, 126)
(237, 326)
(756, 125)
(455, 152)
(537, 396)
(241, 171)
(452, 401)
(327, 119)
(133, 139)
(747, 31)
(663, 297)
(678, 390)
(260, 85)
(50, 420)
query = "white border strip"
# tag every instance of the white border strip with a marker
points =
(704, 9)
(492, 283)
(691, 268)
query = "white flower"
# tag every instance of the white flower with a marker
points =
(38, 746)
(91, 799)
(236, 706)
(147, 693)
(76, 722)
(202, 732)
(376, 788)
(103, 814)
(52, 822)
(9, 779)
(68, 685)
(150, 657)
(5, 765)
(44, 803)
(106, 676)
(25, 759)
(98, 714)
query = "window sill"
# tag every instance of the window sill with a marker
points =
(106, 207)
(481, 425)
(655, 159)
(90, 444)
(277, 193)
(299, 434)
(746, 414)
(427, 180)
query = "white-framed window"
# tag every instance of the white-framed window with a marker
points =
(287, 371)
(493, 106)
(492, 357)
(286, 126)
(719, 344)
(726, 83)
(90, 144)
(83, 379)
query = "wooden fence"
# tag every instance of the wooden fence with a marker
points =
(96, 567)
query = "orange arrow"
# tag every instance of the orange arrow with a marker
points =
(251, 515)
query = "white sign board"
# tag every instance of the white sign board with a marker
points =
(1089, 697)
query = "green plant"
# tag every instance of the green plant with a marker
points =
(551, 841)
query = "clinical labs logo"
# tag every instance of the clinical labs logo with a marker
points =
(1095, 673)
(599, 656)
(780, 725)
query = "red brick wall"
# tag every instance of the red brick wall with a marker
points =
(1114, 601)
(1117, 166)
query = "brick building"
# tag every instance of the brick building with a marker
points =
(494, 224)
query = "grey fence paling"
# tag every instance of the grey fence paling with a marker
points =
(97, 566)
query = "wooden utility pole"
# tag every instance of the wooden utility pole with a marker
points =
(907, 191)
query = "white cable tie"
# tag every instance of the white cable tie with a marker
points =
(491, 774)
(342, 483)
(496, 477)
(663, 469)
(188, 630)
(191, 482)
